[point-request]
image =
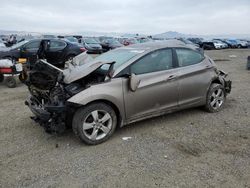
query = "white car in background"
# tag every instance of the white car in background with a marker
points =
(219, 44)
(242, 44)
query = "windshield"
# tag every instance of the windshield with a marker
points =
(90, 41)
(120, 56)
(132, 40)
(72, 39)
(217, 41)
(113, 41)
(187, 41)
(18, 45)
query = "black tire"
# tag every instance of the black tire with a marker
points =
(215, 101)
(10, 81)
(1, 77)
(86, 114)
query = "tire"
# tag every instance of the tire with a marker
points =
(88, 126)
(216, 98)
(1, 78)
(11, 82)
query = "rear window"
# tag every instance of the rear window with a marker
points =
(57, 44)
(33, 45)
(188, 57)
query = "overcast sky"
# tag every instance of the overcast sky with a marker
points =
(130, 16)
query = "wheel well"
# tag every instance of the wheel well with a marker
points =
(117, 112)
(216, 81)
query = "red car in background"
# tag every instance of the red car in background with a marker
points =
(128, 41)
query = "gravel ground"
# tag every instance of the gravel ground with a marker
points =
(190, 148)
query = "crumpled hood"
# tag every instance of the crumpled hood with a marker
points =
(81, 66)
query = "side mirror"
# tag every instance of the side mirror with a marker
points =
(134, 82)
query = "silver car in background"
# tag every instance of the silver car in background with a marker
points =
(124, 85)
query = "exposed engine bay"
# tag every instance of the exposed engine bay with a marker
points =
(49, 92)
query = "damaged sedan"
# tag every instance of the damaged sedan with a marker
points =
(122, 86)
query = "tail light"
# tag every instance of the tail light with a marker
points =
(83, 49)
(5, 70)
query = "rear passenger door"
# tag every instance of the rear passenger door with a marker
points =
(194, 75)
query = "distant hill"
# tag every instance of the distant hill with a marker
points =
(173, 34)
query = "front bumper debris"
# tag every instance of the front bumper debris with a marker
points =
(227, 83)
(52, 118)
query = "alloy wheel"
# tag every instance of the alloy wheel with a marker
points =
(217, 99)
(97, 125)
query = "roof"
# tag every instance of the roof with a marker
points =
(156, 45)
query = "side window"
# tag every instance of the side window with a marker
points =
(32, 45)
(57, 44)
(188, 57)
(156, 61)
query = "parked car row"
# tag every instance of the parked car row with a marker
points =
(220, 43)
(61, 48)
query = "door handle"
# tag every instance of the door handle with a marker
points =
(208, 66)
(171, 77)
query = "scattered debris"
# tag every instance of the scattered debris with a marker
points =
(57, 145)
(126, 138)
(189, 149)
(221, 59)
(232, 56)
(243, 136)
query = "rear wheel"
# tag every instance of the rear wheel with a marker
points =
(10, 82)
(215, 98)
(94, 123)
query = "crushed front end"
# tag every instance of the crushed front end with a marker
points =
(47, 97)
(49, 92)
(49, 108)
(226, 82)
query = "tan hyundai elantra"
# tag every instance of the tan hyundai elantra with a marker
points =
(122, 86)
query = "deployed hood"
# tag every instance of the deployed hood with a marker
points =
(81, 66)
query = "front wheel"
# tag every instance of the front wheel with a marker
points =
(215, 98)
(94, 123)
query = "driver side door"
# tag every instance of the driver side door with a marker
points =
(158, 88)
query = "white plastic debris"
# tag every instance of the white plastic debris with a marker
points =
(5, 63)
(126, 138)
(233, 56)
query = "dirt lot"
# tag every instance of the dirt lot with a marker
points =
(190, 148)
